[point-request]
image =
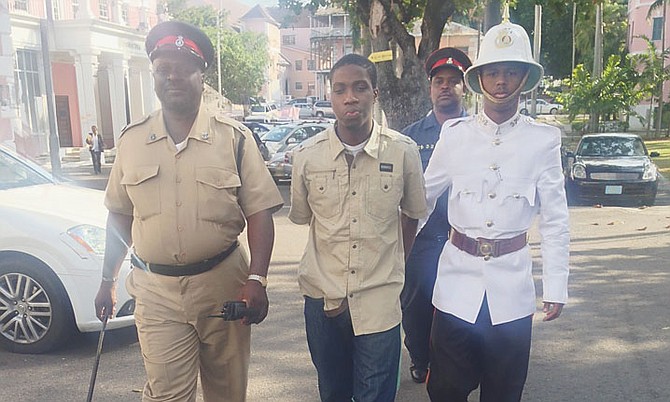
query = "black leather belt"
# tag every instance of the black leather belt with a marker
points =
(183, 270)
(487, 248)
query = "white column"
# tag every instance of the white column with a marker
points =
(85, 11)
(86, 70)
(148, 94)
(117, 71)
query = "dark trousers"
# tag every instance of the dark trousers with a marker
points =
(464, 356)
(361, 368)
(95, 156)
(416, 298)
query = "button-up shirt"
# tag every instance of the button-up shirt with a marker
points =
(188, 205)
(355, 249)
(499, 178)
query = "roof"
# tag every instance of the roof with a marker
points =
(258, 12)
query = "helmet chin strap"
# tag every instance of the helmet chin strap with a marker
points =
(506, 99)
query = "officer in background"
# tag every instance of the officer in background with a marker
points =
(501, 170)
(444, 68)
(184, 183)
(96, 146)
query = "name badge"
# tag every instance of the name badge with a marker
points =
(386, 167)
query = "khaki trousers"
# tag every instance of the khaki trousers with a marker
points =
(178, 340)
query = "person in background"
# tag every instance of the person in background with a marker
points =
(360, 188)
(445, 68)
(95, 145)
(500, 170)
(185, 182)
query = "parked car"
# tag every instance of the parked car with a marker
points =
(52, 241)
(264, 113)
(612, 167)
(280, 137)
(257, 130)
(305, 110)
(323, 109)
(541, 107)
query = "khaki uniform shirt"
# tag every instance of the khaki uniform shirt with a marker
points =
(355, 249)
(190, 205)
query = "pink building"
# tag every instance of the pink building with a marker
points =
(100, 72)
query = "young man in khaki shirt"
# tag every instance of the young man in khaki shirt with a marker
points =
(351, 184)
(185, 182)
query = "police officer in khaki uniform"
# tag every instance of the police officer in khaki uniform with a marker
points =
(184, 183)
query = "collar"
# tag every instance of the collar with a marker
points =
(371, 148)
(492, 128)
(200, 131)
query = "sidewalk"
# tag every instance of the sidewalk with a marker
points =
(81, 172)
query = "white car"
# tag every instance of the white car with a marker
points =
(264, 113)
(541, 107)
(52, 241)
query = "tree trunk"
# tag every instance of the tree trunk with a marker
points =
(492, 14)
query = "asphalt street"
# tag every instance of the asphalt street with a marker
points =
(612, 342)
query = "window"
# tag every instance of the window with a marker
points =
(657, 28)
(311, 65)
(288, 40)
(298, 86)
(29, 89)
(21, 5)
(298, 65)
(124, 13)
(311, 87)
(56, 9)
(103, 9)
(75, 7)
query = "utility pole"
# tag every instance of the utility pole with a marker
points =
(594, 118)
(659, 115)
(54, 145)
(218, 44)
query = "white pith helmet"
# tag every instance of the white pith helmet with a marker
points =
(505, 42)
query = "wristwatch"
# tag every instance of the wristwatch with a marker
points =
(258, 278)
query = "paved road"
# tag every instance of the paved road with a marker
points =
(612, 343)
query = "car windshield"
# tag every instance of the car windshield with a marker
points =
(277, 134)
(14, 173)
(258, 109)
(611, 146)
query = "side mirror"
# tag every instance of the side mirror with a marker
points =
(292, 140)
(654, 154)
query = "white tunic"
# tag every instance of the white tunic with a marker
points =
(499, 177)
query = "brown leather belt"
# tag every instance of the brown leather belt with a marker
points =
(183, 270)
(487, 248)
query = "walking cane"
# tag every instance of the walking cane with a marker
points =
(94, 374)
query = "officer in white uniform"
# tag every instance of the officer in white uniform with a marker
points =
(500, 169)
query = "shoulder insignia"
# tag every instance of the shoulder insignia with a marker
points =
(135, 124)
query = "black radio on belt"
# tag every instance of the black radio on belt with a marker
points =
(235, 310)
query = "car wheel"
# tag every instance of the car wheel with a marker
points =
(319, 114)
(553, 111)
(524, 112)
(35, 311)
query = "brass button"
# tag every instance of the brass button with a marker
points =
(497, 141)
(489, 223)
(354, 220)
(516, 195)
(494, 167)
(353, 193)
(487, 257)
(354, 246)
(179, 203)
(492, 195)
(351, 295)
(353, 271)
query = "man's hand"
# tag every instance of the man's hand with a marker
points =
(552, 311)
(105, 300)
(256, 298)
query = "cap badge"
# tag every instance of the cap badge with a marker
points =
(204, 135)
(152, 136)
(450, 61)
(504, 38)
(179, 42)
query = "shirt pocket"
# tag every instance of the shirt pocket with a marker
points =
(324, 193)
(217, 193)
(383, 195)
(143, 188)
(517, 200)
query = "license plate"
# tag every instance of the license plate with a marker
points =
(613, 189)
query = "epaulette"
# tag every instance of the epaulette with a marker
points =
(134, 124)
(313, 141)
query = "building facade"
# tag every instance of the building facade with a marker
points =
(99, 71)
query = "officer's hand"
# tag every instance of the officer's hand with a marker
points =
(256, 298)
(552, 311)
(105, 300)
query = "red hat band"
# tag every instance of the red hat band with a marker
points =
(179, 42)
(448, 61)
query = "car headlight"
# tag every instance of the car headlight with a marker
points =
(650, 172)
(578, 171)
(92, 238)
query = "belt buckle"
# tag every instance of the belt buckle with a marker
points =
(485, 248)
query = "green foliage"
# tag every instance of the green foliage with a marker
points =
(616, 92)
(244, 56)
